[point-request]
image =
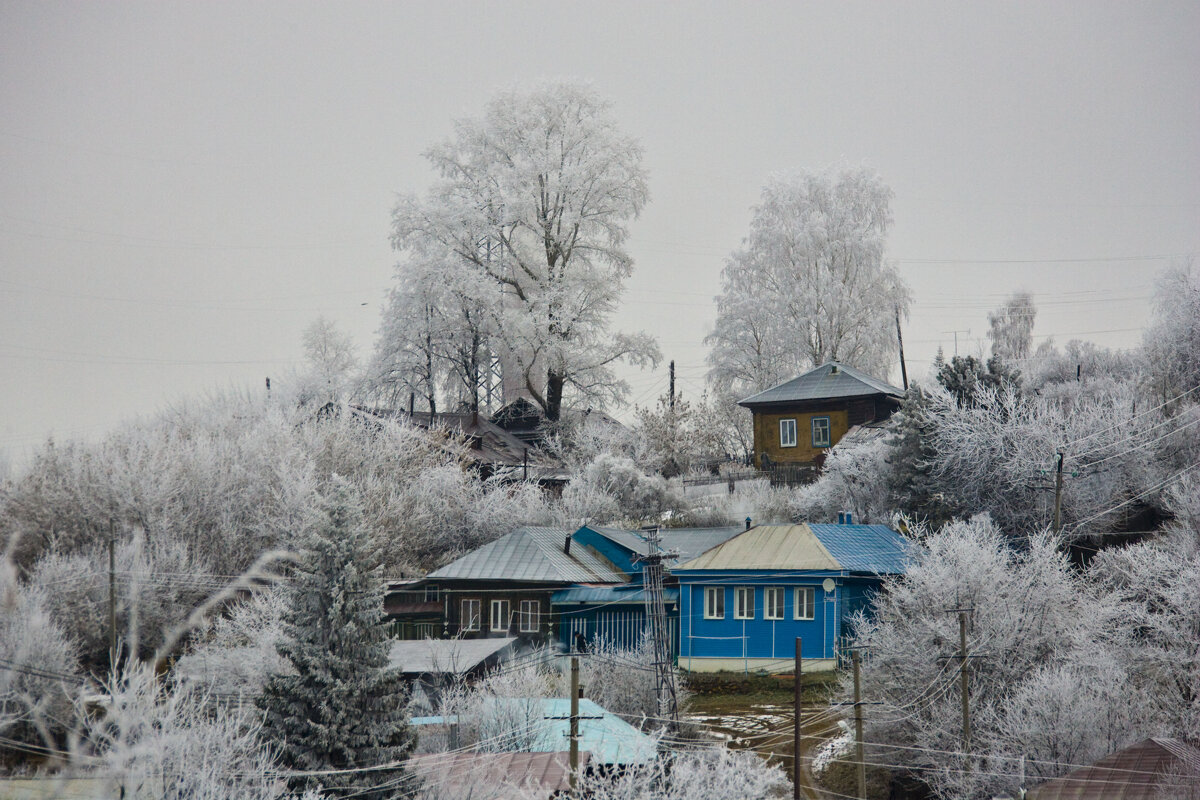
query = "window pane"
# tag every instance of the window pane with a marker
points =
(820, 431)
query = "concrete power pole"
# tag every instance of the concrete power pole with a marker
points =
(1058, 485)
(856, 658)
(797, 731)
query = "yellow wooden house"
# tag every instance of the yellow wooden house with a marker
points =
(798, 421)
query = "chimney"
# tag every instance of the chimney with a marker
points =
(849, 518)
(833, 370)
(567, 545)
(841, 518)
(747, 523)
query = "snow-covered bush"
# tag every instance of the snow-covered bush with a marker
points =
(613, 488)
(853, 479)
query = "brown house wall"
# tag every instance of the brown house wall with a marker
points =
(766, 434)
(454, 593)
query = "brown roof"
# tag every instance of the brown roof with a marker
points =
(502, 774)
(1144, 771)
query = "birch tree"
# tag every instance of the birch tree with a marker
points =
(534, 198)
(1010, 327)
(810, 283)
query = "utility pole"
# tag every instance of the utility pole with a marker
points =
(656, 617)
(574, 754)
(962, 677)
(1058, 484)
(856, 658)
(900, 341)
(112, 599)
(671, 387)
(797, 732)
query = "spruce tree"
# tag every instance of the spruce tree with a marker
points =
(343, 708)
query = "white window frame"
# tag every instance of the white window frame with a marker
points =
(530, 616)
(773, 602)
(807, 604)
(503, 617)
(787, 432)
(743, 602)
(714, 602)
(471, 620)
(827, 439)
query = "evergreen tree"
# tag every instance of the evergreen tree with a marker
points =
(343, 708)
(915, 491)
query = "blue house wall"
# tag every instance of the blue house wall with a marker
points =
(761, 644)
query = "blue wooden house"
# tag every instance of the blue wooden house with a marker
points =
(616, 612)
(743, 602)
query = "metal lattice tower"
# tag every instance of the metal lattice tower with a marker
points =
(656, 617)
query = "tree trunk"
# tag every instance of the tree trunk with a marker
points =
(554, 392)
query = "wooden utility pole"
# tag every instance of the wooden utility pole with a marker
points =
(962, 677)
(671, 387)
(900, 341)
(856, 657)
(574, 756)
(1058, 484)
(112, 599)
(797, 732)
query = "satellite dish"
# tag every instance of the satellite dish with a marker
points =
(828, 585)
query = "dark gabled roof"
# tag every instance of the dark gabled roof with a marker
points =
(830, 381)
(1150, 769)
(533, 555)
(498, 776)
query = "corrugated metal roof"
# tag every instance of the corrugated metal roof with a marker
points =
(453, 656)
(500, 775)
(823, 383)
(533, 555)
(1150, 769)
(872, 549)
(791, 547)
(875, 549)
(609, 595)
(688, 542)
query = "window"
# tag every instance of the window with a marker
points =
(529, 616)
(787, 433)
(745, 603)
(773, 602)
(431, 594)
(804, 603)
(470, 615)
(820, 431)
(500, 619)
(714, 602)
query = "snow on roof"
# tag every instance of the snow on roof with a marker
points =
(535, 555)
(453, 656)
(828, 381)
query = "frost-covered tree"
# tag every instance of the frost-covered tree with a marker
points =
(1172, 343)
(1010, 327)
(38, 667)
(613, 488)
(152, 741)
(533, 199)
(810, 283)
(340, 710)
(966, 376)
(330, 363)
(1038, 626)
(673, 438)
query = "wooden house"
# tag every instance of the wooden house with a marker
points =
(743, 603)
(798, 421)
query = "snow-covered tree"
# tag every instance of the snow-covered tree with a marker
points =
(534, 199)
(1172, 343)
(330, 363)
(613, 488)
(810, 283)
(1010, 327)
(38, 668)
(151, 741)
(340, 712)
(673, 438)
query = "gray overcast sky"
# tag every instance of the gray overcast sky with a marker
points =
(183, 187)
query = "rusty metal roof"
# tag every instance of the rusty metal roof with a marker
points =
(1150, 769)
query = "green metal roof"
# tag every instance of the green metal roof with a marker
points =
(532, 555)
(830, 381)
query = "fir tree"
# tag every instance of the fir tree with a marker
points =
(914, 489)
(343, 709)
